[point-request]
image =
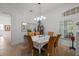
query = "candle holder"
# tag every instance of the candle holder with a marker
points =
(72, 39)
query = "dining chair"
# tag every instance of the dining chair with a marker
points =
(30, 43)
(31, 33)
(37, 33)
(57, 40)
(49, 49)
(50, 33)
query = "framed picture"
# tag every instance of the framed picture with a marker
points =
(23, 26)
(7, 27)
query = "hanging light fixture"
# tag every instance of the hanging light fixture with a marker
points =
(40, 27)
(40, 17)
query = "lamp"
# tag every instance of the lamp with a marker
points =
(40, 28)
(40, 17)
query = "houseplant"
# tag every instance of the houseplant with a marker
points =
(29, 30)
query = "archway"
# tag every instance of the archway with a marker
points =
(5, 29)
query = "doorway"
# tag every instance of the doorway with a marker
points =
(5, 29)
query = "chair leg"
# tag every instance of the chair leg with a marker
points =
(32, 52)
(48, 54)
(55, 51)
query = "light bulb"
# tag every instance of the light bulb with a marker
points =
(34, 18)
(42, 16)
(24, 23)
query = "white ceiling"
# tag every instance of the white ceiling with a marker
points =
(28, 6)
(34, 7)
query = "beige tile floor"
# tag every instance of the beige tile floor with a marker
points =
(6, 49)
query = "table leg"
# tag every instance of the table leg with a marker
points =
(39, 49)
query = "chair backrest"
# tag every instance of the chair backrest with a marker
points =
(31, 33)
(30, 41)
(51, 44)
(50, 33)
(37, 33)
(57, 40)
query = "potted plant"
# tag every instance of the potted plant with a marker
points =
(29, 30)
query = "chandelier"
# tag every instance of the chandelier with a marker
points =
(40, 17)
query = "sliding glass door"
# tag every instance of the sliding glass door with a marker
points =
(67, 27)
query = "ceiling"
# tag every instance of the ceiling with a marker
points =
(29, 7)
(34, 7)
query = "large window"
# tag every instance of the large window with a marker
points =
(67, 28)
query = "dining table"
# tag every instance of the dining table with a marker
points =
(39, 41)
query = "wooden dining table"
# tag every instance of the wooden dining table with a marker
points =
(39, 41)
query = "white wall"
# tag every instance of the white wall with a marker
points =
(51, 23)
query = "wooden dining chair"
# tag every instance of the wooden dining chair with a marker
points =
(57, 40)
(30, 43)
(31, 33)
(50, 33)
(37, 33)
(49, 49)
